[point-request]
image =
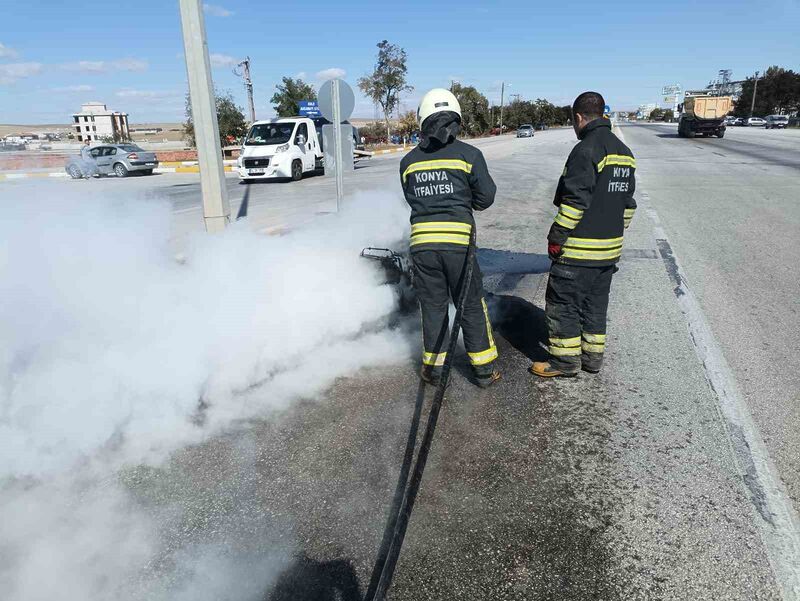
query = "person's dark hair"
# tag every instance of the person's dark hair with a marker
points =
(589, 104)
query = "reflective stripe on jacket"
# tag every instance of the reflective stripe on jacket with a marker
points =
(443, 185)
(594, 198)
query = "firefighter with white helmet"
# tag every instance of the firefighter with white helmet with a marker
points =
(444, 180)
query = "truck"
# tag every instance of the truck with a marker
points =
(704, 115)
(287, 148)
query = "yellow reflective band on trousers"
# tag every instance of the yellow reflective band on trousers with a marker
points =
(437, 360)
(454, 164)
(490, 354)
(593, 343)
(593, 249)
(616, 159)
(483, 357)
(594, 338)
(565, 347)
(440, 232)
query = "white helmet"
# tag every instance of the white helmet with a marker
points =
(436, 101)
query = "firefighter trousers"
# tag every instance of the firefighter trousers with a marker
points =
(438, 276)
(576, 308)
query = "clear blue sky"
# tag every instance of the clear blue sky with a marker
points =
(56, 55)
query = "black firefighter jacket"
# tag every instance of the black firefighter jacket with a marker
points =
(443, 185)
(595, 198)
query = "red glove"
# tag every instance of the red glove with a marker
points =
(554, 251)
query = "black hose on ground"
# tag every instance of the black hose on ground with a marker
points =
(399, 493)
(403, 505)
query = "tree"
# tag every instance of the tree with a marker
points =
(657, 114)
(778, 92)
(374, 133)
(387, 80)
(117, 137)
(669, 115)
(230, 118)
(474, 109)
(564, 115)
(286, 101)
(546, 112)
(518, 113)
(407, 124)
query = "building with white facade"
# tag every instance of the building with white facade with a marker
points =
(646, 109)
(96, 122)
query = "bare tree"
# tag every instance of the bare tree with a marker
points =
(387, 80)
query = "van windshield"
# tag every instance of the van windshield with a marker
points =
(265, 134)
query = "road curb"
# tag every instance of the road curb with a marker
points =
(191, 163)
(48, 174)
(390, 150)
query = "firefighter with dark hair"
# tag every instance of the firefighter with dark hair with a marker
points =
(444, 180)
(595, 205)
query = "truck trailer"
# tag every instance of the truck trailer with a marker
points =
(704, 115)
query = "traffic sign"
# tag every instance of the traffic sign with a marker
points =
(309, 108)
(347, 100)
(606, 110)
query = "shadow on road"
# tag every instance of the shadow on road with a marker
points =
(309, 580)
(521, 323)
(494, 261)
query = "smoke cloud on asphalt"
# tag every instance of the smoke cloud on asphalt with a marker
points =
(114, 355)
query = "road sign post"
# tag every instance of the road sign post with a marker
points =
(336, 103)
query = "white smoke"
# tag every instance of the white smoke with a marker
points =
(113, 355)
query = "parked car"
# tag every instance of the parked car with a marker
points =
(730, 120)
(777, 121)
(740, 121)
(756, 122)
(525, 131)
(111, 159)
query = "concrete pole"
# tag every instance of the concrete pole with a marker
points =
(248, 86)
(216, 209)
(502, 93)
(755, 89)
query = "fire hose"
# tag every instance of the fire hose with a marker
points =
(406, 491)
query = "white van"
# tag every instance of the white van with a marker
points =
(777, 122)
(280, 148)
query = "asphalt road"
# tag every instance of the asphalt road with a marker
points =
(625, 485)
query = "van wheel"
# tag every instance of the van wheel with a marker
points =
(297, 171)
(120, 170)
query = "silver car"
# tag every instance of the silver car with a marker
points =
(111, 159)
(525, 131)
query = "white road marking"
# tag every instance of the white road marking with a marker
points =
(773, 510)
